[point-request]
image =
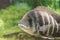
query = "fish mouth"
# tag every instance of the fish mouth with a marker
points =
(26, 29)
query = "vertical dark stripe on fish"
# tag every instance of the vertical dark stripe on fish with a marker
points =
(33, 16)
(30, 21)
(46, 21)
(40, 19)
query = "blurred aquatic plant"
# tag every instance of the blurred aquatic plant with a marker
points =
(1, 25)
(12, 14)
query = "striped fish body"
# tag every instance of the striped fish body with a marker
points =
(41, 22)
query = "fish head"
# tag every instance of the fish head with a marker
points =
(24, 25)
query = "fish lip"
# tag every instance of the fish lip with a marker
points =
(21, 25)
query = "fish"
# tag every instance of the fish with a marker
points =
(41, 22)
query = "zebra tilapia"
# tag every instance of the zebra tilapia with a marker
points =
(41, 22)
